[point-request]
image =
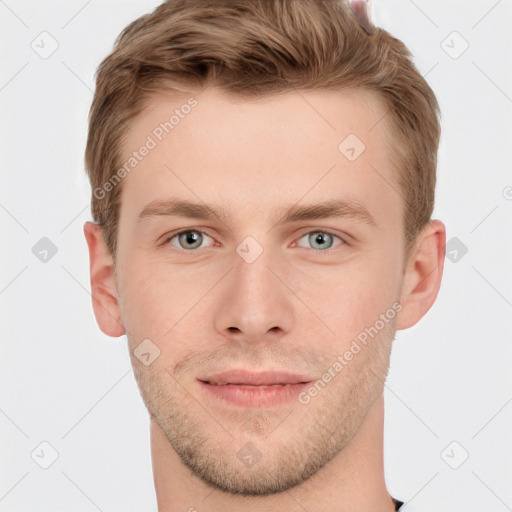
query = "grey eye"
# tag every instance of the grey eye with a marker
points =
(320, 239)
(189, 239)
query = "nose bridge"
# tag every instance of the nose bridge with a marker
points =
(254, 303)
(257, 280)
(253, 261)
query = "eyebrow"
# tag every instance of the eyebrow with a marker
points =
(337, 208)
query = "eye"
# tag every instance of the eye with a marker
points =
(190, 239)
(321, 240)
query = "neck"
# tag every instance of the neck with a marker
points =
(352, 481)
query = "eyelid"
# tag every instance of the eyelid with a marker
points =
(343, 237)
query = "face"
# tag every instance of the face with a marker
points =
(248, 289)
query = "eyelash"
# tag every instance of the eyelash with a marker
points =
(326, 232)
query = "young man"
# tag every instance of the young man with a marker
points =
(263, 178)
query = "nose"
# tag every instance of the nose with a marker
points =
(254, 304)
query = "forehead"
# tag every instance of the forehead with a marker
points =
(245, 153)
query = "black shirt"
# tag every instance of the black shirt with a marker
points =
(397, 503)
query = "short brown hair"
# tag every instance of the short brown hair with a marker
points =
(262, 47)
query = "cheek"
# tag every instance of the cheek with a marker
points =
(355, 296)
(143, 298)
(156, 299)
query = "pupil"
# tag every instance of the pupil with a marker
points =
(190, 238)
(320, 239)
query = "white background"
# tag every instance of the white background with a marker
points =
(64, 382)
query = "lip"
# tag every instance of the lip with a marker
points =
(254, 389)
(264, 378)
(254, 396)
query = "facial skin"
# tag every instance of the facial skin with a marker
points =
(296, 307)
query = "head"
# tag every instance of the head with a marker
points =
(257, 111)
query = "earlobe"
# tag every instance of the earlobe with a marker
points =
(103, 285)
(422, 279)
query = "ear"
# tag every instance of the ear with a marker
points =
(423, 273)
(103, 284)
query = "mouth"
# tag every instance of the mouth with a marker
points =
(254, 389)
(247, 378)
(249, 385)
